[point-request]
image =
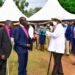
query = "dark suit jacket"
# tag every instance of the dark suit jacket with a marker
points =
(68, 33)
(20, 40)
(5, 43)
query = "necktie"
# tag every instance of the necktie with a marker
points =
(8, 31)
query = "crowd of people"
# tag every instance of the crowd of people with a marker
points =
(60, 33)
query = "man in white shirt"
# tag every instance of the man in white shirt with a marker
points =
(57, 46)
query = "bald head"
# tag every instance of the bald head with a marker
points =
(23, 20)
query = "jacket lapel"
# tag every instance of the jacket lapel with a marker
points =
(25, 32)
(6, 35)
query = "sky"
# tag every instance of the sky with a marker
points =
(36, 3)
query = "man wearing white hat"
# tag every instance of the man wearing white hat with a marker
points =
(57, 46)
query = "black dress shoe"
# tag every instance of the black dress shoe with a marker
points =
(60, 73)
(73, 63)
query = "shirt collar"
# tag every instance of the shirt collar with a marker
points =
(21, 25)
(7, 27)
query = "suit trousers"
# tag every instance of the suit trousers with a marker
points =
(57, 70)
(3, 67)
(22, 63)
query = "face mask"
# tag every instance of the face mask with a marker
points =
(65, 24)
(51, 28)
(54, 23)
(48, 24)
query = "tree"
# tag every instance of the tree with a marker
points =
(32, 11)
(1, 3)
(21, 4)
(68, 5)
(37, 9)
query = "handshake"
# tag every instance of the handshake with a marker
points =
(27, 45)
(2, 57)
(48, 33)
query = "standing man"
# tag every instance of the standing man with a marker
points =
(68, 38)
(57, 46)
(5, 46)
(22, 43)
(42, 37)
(73, 40)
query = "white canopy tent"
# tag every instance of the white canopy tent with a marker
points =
(10, 11)
(52, 9)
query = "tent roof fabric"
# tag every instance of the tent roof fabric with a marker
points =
(10, 11)
(52, 9)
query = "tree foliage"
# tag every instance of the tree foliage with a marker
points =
(37, 9)
(1, 3)
(21, 4)
(32, 11)
(68, 5)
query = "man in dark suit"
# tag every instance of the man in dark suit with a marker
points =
(22, 43)
(5, 46)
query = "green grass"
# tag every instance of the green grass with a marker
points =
(37, 63)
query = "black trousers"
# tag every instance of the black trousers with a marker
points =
(57, 70)
(3, 67)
